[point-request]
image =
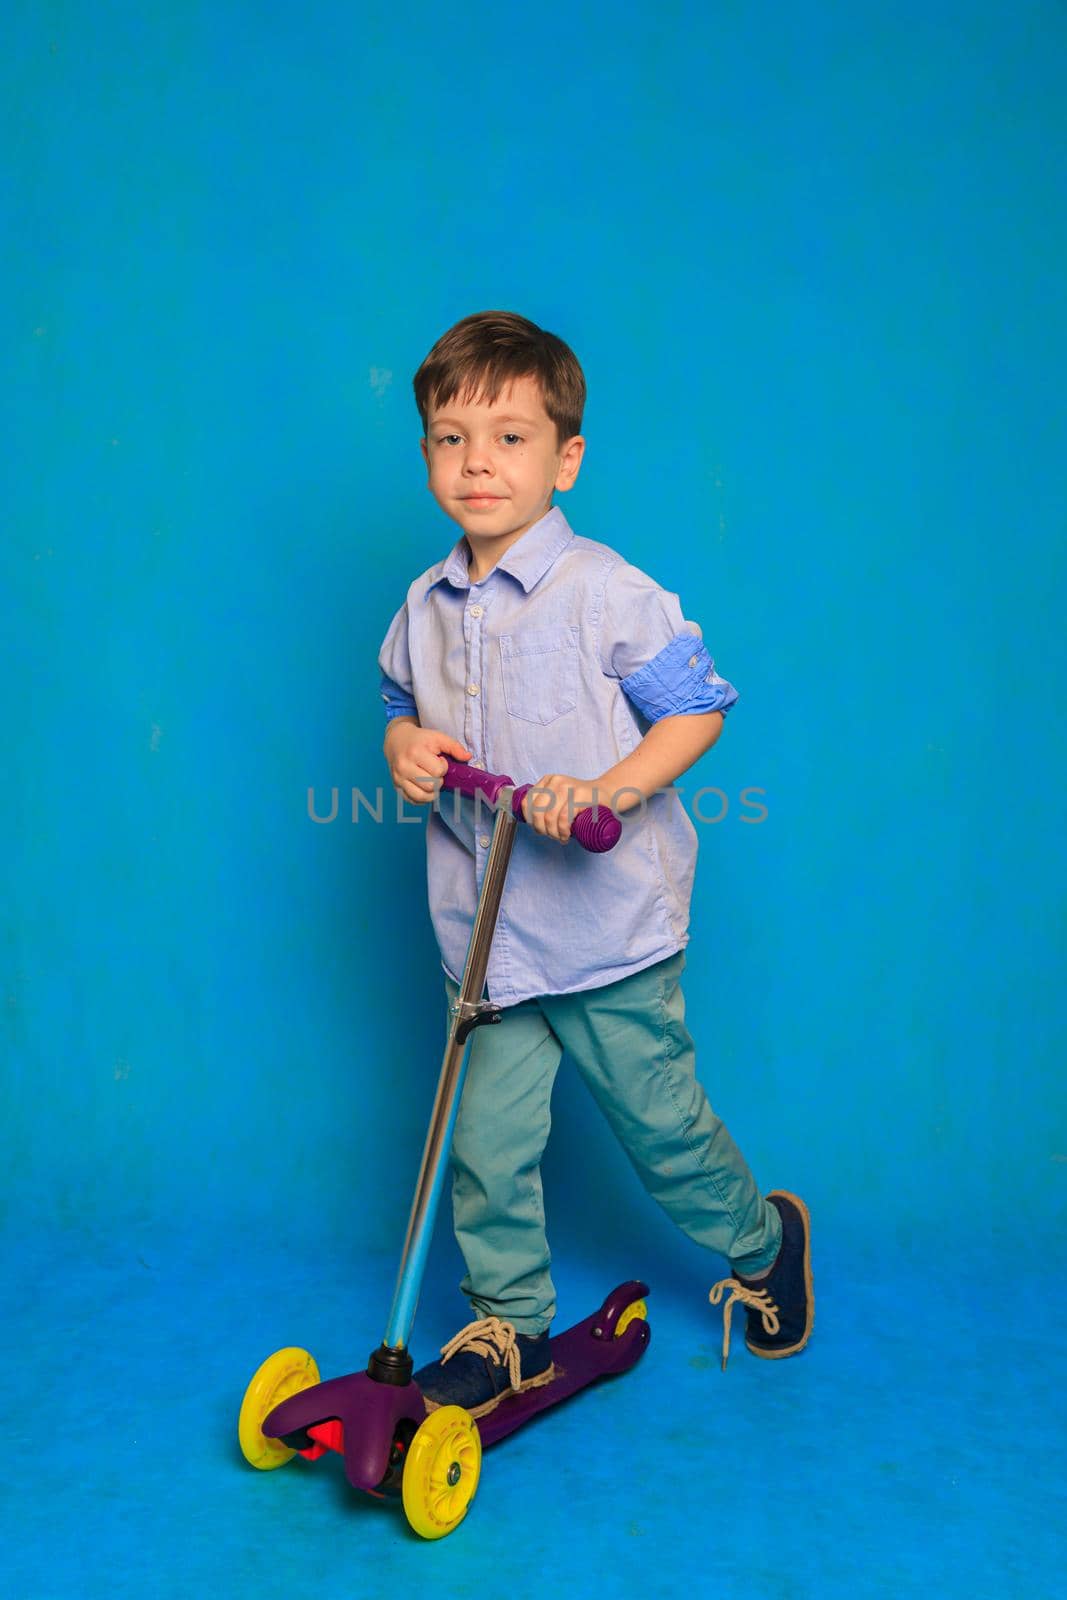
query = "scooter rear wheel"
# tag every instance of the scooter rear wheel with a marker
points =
(284, 1373)
(441, 1472)
(636, 1308)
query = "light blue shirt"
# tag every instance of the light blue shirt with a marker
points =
(558, 660)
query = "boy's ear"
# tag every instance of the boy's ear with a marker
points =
(425, 451)
(569, 461)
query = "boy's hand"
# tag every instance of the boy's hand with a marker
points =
(553, 802)
(416, 758)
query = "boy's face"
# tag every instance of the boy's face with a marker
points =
(493, 468)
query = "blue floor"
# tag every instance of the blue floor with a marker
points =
(915, 1448)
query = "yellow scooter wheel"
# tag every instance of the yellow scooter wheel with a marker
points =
(284, 1373)
(636, 1308)
(441, 1471)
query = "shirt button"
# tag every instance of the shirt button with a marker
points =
(692, 661)
(476, 611)
(476, 764)
(484, 841)
(472, 688)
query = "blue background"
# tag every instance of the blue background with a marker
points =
(811, 259)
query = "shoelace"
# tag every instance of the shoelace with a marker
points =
(757, 1299)
(489, 1337)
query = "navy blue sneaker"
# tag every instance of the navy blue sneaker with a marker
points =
(781, 1306)
(485, 1362)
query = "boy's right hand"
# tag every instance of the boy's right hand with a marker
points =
(416, 758)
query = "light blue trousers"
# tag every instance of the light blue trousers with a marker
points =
(629, 1042)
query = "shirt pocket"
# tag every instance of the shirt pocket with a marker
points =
(539, 667)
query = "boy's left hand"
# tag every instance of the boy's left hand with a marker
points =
(553, 802)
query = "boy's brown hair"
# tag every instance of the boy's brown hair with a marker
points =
(483, 353)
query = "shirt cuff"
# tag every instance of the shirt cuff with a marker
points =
(680, 680)
(398, 703)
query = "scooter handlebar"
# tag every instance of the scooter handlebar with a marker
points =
(596, 828)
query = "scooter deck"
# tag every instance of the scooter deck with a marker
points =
(580, 1358)
(369, 1411)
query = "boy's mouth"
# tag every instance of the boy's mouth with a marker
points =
(482, 499)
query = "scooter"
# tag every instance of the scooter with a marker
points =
(376, 1420)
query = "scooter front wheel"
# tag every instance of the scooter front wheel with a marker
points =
(284, 1373)
(441, 1471)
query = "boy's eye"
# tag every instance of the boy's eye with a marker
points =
(445, 438)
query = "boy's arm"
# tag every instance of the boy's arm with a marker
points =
(390, 737)
(394, 664)
(669, 748)
(663, 667)
(665, 670)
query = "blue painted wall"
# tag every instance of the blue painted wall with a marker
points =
(811, 258)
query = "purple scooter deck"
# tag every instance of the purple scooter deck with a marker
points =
(581, 1357)
(370, 1411)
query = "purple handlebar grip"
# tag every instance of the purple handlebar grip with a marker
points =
(596, 829)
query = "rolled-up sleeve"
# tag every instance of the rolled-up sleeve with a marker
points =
(394, 663)
(662, 664)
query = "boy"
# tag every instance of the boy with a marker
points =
(529, 650)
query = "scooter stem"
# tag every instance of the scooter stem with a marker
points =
(468, 1012)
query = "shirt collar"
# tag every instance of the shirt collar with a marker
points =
(527, 560)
